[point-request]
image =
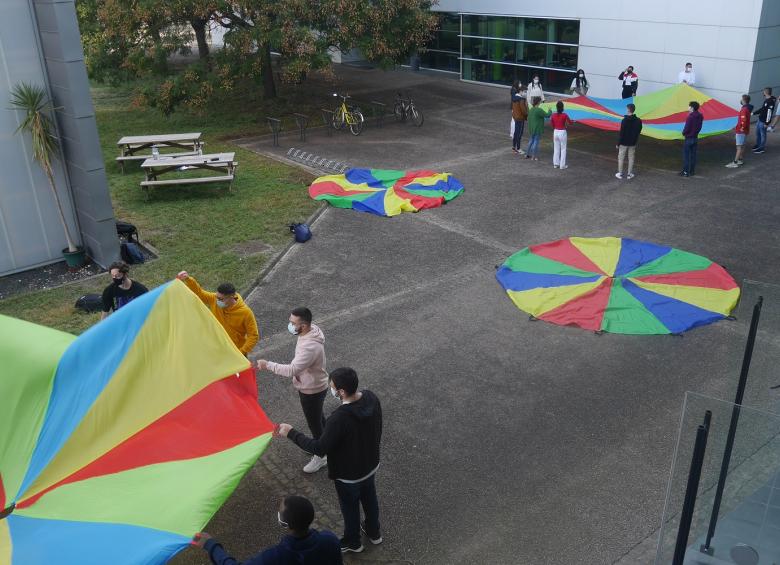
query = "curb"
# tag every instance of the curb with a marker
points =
(279, 256)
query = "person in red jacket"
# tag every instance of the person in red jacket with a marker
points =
(742, 129)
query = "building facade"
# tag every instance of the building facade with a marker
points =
(734, 46)
(43, 47)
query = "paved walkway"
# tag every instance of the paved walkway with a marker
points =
(506, 441)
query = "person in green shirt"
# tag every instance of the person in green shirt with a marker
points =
(536, 117)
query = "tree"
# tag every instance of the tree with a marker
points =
(34, 102)
(135, 37)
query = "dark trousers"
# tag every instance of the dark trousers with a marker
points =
(518, 136)
(628, 92)
(351, 497)
(689, 154)
(312, 409)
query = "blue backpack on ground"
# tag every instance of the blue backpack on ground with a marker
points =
(131, 253)
(302, 232)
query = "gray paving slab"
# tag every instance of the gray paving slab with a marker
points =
(507, 441)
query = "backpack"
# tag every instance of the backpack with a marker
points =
(302, 232)
(127, 231)
(90, 303)
(131, 253)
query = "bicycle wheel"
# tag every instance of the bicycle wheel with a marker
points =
(417, 117)
(398, 112)
(339, 120)
(357, 123)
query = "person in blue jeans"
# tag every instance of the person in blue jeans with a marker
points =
(765, 114)
(302, 546)
(536, 117)
(351, 440)
(690, 132)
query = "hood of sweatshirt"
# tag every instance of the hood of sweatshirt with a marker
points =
(315, 334)
(237, 306)
(303, 545)
(631, 117)
(363, 408)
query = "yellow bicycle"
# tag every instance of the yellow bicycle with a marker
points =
(345, 115)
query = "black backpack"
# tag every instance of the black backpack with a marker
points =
(90, 303)
(127, 232)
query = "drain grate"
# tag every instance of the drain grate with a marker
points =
(317, 161)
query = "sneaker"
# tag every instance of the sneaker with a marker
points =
(376, 541)
(564, 167)
(732, 165)
(630, 176)
(514, 150)
(527, 156)
(619, 176)
(555, 166)
(684, 174)
(740, 162)
(315, 464)
(521, 152)
(347, 548)
(759, 151)
(536, 158)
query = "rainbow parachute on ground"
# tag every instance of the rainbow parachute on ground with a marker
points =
(119, 445)
(386, 192)
(663, 112)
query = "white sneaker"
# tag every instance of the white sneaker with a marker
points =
(555, 166)
(630, 176)
(521, 152)
(315, 464)
(619, 176)
(732, 165)
(564, 166)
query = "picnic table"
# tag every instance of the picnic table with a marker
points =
(131, 145)
(222, 163)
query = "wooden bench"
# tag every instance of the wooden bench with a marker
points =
(221, 163)
(130, 145)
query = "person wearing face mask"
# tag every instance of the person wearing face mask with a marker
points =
(690, 132)
(580, 83)
(121, 290)
(630, 82)
(309, 377)
(534, 90)
(687, 75)
(351, 440)
(230, 310)
(303, 545)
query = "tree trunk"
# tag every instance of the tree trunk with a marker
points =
(71, 244)
(199, 25)
(269, 88)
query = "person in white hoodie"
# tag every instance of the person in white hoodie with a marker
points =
(535, 88)
(308, 373)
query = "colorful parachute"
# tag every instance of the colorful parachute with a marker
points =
(119, 445)
(618, 285)
(385, 192)
(663, 112)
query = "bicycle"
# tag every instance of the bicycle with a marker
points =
(347, 115)
(404, 108)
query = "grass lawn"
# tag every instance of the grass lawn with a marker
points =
(195, 228)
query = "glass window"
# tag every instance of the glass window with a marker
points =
(443, 49)
(534, 54)
(565, 31)
(440, 61)
(475, 25)
(535, 29)
(563, 57)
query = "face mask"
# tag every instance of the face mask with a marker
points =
(221, 303)
(536, 81)
(581, 75)
(281, 522)
(334, 393)
(292, 329)
(118, 282)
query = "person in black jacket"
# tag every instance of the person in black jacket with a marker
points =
(630, 128)
(765, 114)
(351, 441)
(630, 82)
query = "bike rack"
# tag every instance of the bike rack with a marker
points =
(316, 161)
(276, 126)
(378, 111)
(327, 119)
(302, 120)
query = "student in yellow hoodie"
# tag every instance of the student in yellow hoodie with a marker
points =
(230, 310)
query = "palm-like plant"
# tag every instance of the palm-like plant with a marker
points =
(34, 102)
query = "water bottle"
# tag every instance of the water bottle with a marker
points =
(155, 152)
(200, 149)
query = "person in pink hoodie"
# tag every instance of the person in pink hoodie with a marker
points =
(309, 377)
